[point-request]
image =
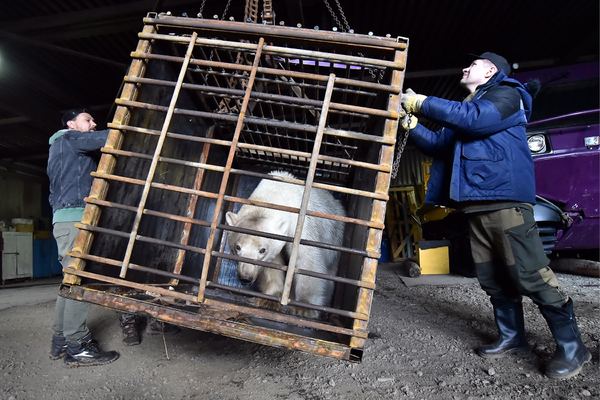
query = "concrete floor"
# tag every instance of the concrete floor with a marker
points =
(29, 292)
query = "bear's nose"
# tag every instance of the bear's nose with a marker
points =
(245, 280)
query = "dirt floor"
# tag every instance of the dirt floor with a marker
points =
(421, 345)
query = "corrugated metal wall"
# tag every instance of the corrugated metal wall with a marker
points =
(410, 171)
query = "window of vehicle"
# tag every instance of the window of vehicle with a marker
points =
(558, 99)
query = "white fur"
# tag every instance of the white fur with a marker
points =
(270, 281)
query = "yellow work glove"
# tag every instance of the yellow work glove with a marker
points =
(412, 102)
(409, 122)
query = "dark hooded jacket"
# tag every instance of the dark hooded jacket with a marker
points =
(71, 160)
(481, 153)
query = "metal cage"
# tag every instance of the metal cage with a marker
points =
(207, 109)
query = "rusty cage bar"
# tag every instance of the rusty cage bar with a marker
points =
(207, 109)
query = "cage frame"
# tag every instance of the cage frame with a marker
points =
(199, 310)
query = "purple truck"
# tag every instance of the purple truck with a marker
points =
(563, 138)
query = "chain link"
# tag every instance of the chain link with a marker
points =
(373, 73)
(400, 149)
(346, 25)
(202, 7)
(337, 21)
(226, 8)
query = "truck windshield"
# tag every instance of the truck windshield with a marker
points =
(570, 99)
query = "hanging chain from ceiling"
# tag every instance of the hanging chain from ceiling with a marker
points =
(224, 11)
(201, 8)
(345, 27)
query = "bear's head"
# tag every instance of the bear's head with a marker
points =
(254, 247)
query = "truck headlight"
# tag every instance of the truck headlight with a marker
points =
(537, 143)
(591, 141)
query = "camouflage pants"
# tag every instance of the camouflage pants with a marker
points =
(509, 257)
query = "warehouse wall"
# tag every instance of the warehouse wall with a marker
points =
(410, 171)
(23, 198)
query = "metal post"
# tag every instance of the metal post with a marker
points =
(285, 296)
(232, 150)
(161, 140)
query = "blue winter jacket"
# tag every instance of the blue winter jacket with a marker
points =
(70, 163)
(481, 153)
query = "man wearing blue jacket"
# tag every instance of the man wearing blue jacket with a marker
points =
(70, 162)
(482, 166)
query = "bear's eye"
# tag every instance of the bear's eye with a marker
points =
(238, 247)
(262, 250)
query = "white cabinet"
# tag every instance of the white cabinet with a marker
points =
(17, 255)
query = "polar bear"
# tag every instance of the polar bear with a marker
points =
(271, 281)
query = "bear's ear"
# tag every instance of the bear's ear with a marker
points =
(283, 227)
(231, 218)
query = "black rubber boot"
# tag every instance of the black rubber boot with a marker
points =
(511, 329)
(571, 354)
(128, 322)
(88, 353)
(58, 349)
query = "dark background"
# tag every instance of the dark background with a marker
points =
(59, 55)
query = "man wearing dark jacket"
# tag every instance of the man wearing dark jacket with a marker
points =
(482, 166)
(70, 162)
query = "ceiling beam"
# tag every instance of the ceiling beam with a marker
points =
(23, 177)
(44, 88)
(61, 49)
(97, 28)
(84, 17)
(94, 21)
(457, 71)
(23, 172)
(15, 120)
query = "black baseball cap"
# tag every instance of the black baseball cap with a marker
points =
(499, 61)
(71, 115)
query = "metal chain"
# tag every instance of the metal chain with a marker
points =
(226, 8)
(373, 74)
(346, 25)
(346, 28)
(371, 71)
(202, 7)
(400, 150)
(337, 21)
